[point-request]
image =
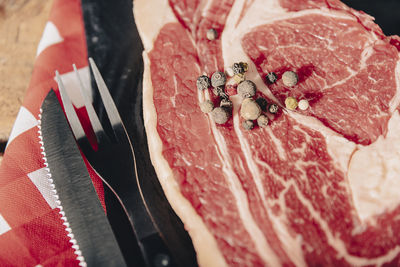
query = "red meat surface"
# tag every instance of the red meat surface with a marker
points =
(349, 78)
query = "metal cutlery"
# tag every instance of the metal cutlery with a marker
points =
(114, 160)
(84, 219)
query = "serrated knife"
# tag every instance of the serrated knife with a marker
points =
(86, 223)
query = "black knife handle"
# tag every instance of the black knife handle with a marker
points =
(155, 252)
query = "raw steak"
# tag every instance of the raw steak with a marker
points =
(315, 187)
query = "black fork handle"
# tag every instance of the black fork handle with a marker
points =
(155, 252)
(139, 250)
(148, 251)
(126, 209)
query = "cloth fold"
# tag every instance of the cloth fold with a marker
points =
(31, 229)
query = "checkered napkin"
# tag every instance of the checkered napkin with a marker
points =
(31, 229)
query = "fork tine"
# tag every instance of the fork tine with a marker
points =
(69, 110)
(94, 119)
(105, 95)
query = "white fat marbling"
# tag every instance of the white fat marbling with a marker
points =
(207, 250)
(150, 17)
(374, 173)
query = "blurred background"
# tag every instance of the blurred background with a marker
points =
(386, 13)
(22, 23)
(21, 26)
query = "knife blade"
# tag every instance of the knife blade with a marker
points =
(86, 223)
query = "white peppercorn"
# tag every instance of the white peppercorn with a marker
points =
(212, 34)
(220, 115)
(290, 78)
(229, 71)
(218, 79)
(207, 106)
(248, 125)
(262, 121)
(246, 89)
(250, 109)
(303, 104)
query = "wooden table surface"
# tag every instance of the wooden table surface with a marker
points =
(21, 27)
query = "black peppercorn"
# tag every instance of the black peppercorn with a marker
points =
(273, 108)
(218, 91)
(262, 103)
(271, 77)
(238, 68)
(226, 103)
(203, 82)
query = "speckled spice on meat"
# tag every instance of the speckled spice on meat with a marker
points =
(301, 191)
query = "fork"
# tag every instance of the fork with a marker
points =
(115, 163)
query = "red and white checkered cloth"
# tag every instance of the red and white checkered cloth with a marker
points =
(31, 229)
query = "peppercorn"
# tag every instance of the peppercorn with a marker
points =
(212, 34)
(262, 103)
(245, 66)
(207, 106)
(220, 115)
(229, 71)
(218, 90)
(262, 121)
(223, 95)
(226, 103)
(238, 68)
(203, 82)
(248, 125)
(238, 78)
(303, 104)
(273, 108)
(250, 109)
(246, 89)
(218, 79)
(290, 78)
(271, 77)
(291, 103)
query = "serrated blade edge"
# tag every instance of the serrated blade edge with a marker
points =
(56, 197)
(88, 228)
